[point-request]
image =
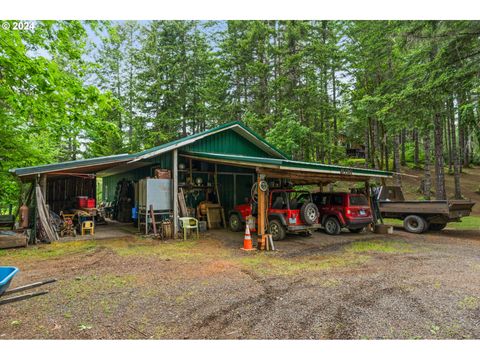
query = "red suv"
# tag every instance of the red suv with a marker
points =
(288, 211)
(343, 210)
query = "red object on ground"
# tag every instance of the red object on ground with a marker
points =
(82, 201)
(247, 241)
(91, 203)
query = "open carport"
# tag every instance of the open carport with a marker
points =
(215, 169)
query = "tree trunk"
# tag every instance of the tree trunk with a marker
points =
(448, 139)
(403, 160)
(427, 177)
(416, 153)
(440, 193)
(396, 159)
(456, 158)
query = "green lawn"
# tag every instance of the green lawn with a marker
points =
(467, 223)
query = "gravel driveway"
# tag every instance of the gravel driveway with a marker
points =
(352, 286)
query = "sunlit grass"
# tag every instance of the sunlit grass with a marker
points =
(272, 264)
(467, 223)
(47, 251)
(383, 246)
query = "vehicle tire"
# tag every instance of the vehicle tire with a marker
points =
(309, 213)
(357, 230)
(277, 230)
(332, 226)
(235, 222)
(415, 224)
(437, 227)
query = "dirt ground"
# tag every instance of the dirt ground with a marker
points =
(353, 286)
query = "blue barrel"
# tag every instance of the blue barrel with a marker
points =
(134, 213)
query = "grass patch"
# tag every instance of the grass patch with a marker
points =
(394, 222)
(381, 246)
(82, 288)
(467, 223)
(469, 303)
(270, 264)
(47, 251)
(189, 250)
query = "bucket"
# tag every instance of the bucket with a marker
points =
(202, 226)
(82, 201)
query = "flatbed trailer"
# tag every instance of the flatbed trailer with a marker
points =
(421, 215)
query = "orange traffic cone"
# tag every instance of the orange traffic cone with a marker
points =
(247, 241)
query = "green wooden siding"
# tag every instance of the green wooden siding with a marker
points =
(226, 142)
(109, 183)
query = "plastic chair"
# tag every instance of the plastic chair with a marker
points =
(189, 223)
(88, 225)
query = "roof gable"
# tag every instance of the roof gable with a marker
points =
(250, 142)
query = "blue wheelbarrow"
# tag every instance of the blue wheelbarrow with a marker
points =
(6, 275)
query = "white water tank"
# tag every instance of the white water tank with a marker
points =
(155, 192)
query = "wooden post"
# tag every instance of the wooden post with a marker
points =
(175, 193)
(262, 213)
(43, 185)
(367, 194)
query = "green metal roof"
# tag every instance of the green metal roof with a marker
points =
(236, 126)
(74, 164)
(285, 164)
(251, 149)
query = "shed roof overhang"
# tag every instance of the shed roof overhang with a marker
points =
(300, 172)
(83, 166)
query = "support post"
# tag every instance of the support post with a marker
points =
(367, 194)
(43, 185)
(175, 192)
(262, 212)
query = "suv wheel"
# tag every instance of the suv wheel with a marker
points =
(415, 224)
(235, 222)
(309, 213)
(277, 230)
(332, 226)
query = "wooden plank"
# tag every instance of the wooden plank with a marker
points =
(182, 203)
(308, 177)
(175, 192)
(154, 225)
(44, 216)
(12, 241)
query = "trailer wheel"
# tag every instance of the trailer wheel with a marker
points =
(415, 224)
(437, 227)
